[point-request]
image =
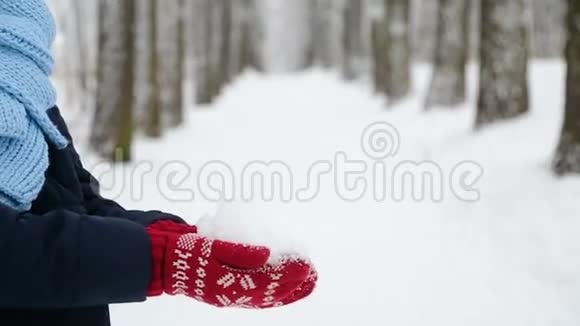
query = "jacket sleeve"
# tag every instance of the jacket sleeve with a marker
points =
(66, 260)
(95, 204)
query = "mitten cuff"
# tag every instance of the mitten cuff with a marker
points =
(161, 234)
(158, 248)
(173, 227)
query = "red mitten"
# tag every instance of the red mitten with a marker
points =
(226, 274)
(304, 290)
(162, 229)
(173, 227)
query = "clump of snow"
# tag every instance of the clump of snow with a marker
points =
(252, 224)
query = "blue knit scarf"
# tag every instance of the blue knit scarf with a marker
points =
(27, 31)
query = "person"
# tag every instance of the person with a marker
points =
(66, 253)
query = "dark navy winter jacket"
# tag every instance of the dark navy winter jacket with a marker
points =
(74, 252)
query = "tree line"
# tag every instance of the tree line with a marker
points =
(142, 60)
(146, 49)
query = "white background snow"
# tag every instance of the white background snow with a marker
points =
(511, 258)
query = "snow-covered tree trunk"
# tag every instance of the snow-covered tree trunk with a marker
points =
(352, 38)
(398, 62)
(567, 159)
(113, 121)
(451, 50)
(548, 28)
(503, 86)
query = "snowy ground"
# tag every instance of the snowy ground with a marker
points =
(511, 258)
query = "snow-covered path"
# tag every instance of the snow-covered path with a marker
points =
(511, 258)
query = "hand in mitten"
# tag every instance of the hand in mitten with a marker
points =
(305, 289)
(226, 274)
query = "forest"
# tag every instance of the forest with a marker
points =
(138, 64)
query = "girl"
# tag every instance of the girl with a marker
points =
(66, 253)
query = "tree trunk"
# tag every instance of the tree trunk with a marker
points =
(312, 35)
(82, 49)
(567, 158)
(424, 27)
(331, 24)
(214, 78)
(181, 60)
(113, 121)
(142, 60)
(548, 28)
(225, 49)
(503, 92)
(153, 119)
(352, 38)
(319, 26)
(98, 139)
(379, 47)
(451, 50)
(170, 47)
(236, 30)
(474, 29)
(253, 36)
(202, 36)
(398, 62)
(214, 42)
